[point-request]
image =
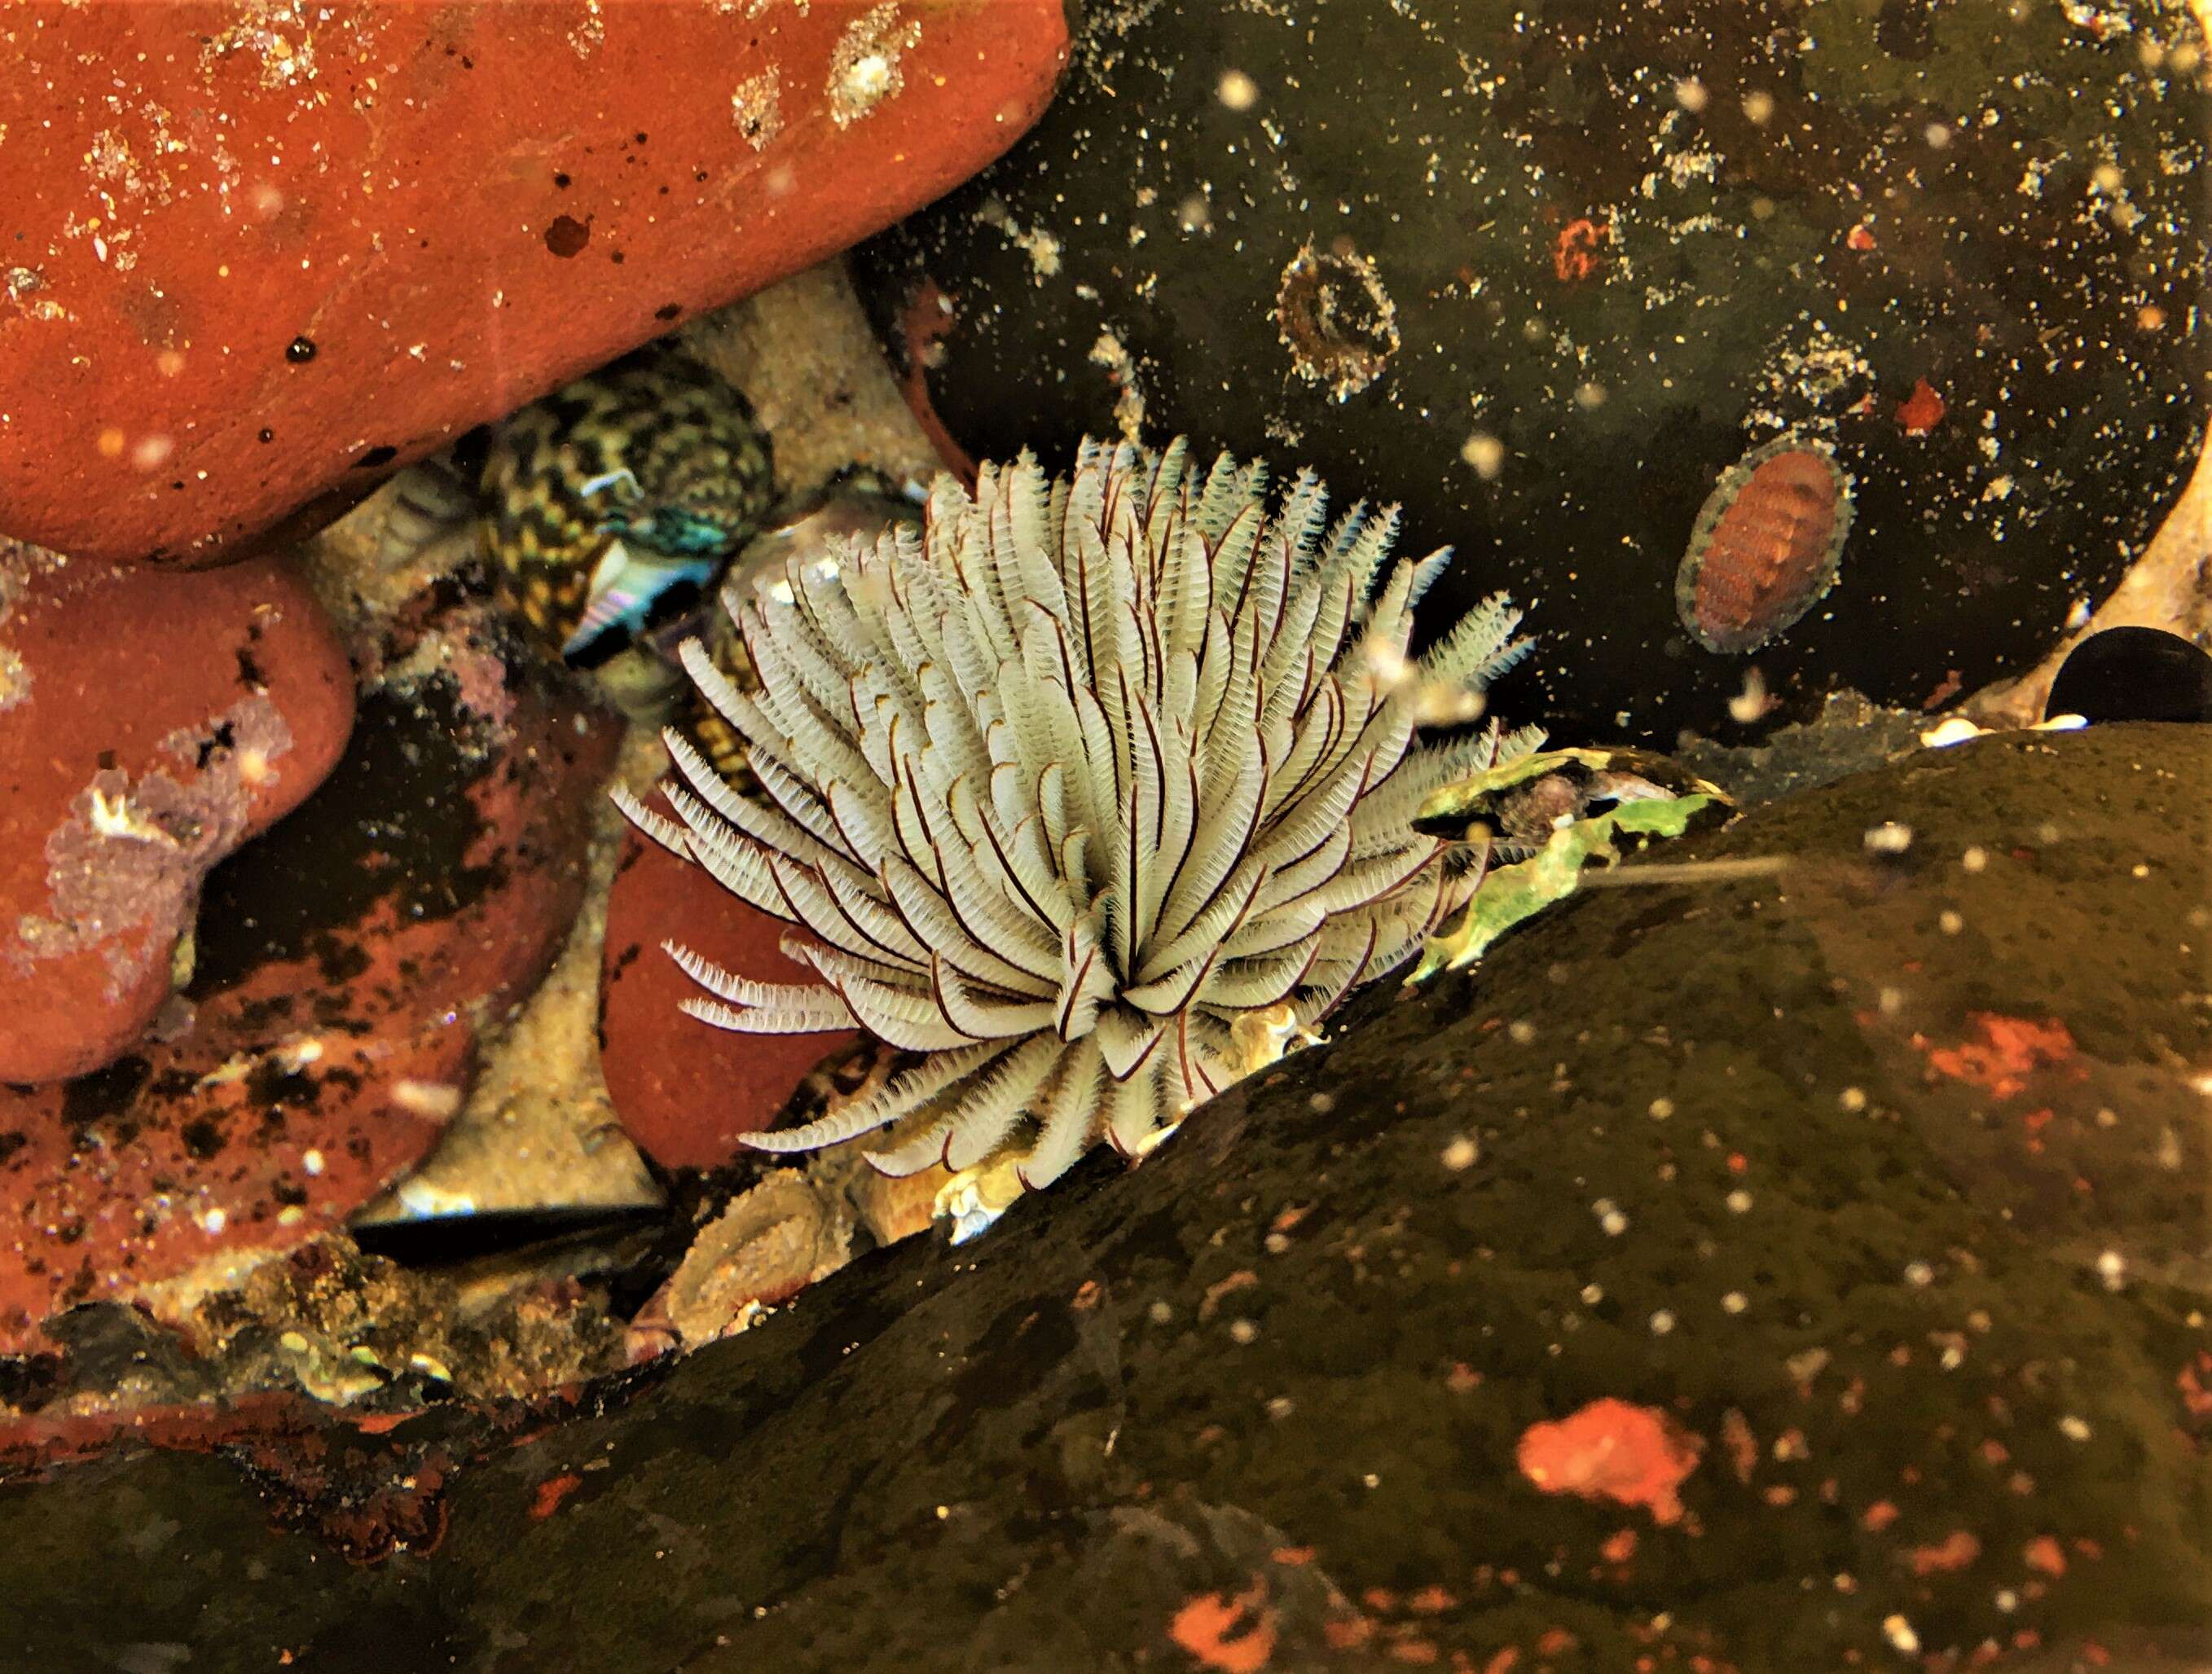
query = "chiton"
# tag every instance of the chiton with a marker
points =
(1767, 545)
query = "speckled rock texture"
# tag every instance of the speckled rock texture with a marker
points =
(259, 253)
(1795, 1270)
(345, 965)
(149, 723)
(1543, 272)
(686, 1091)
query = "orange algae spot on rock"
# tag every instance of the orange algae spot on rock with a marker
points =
(1614, 1450)
(1742, 1445)
(1921, 411)
(2045, 1554)
(2195, 1383)
(1879, 1516)
(550, 1493)
(1767, 545)
(1579, 249)
(2008, 1050)
(1224, 1632)
(1954, 1551)
(1620, 1547)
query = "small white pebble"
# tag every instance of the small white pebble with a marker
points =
(1609, 1218)
(1371, 1480)
(1739, 1201)
(2007, 1600)
(1461, 1154)
(2074, 1429)
(1160, 1313)
(1662, 1109)
(1281, 1407)
(1593, 1295)
(212, 1221)
(1975, 858)
(2113, 1269)
(1899, 1632)
(1949, 922)
(1322, 1103)
(1520, 1031)
(311, 1162)
(1662, 1322)
(1242, 1331)
(1890, 837)
(1852, 1099)
(1239, 91)
(2139, 869)
(1919, 1274)
(1734, 1302)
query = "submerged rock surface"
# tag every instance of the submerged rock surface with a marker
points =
(1797, 1269)
(1545, 273)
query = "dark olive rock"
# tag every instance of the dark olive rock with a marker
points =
(1857, 1210)
(2133, 674)
(1544, 271)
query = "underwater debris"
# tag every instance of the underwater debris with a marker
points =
(1536, 810)
(1070, 787)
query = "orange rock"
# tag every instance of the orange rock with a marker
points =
(329, 1028)
(686, 1091)
(149, 723)
(261, 254)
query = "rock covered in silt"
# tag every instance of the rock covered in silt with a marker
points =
(1548, 277)
(1781, 1270)
(148, 725)
(260, 254)
(344, 964)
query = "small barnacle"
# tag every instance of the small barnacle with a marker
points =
(115, 816)
(1334, 317)
(1086, 792)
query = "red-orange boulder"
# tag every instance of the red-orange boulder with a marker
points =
(345, 963)
(149, 723)
(260, 254)
(686, 1091)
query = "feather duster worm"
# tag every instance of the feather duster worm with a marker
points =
(1094, 792)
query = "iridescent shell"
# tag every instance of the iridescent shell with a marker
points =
(1767, 546)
